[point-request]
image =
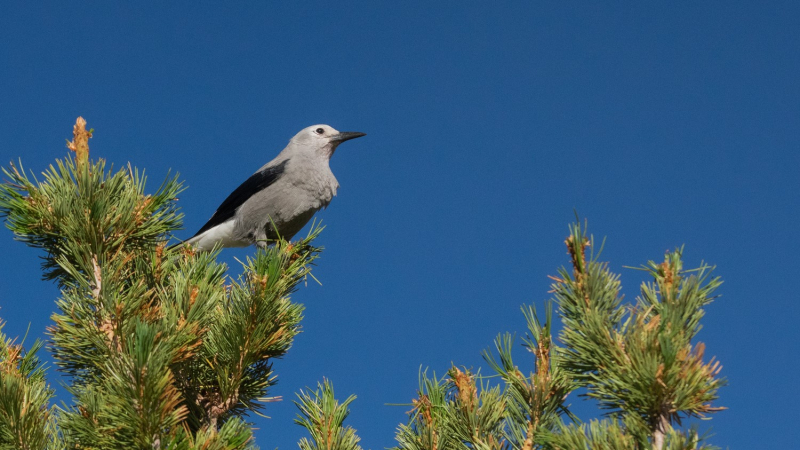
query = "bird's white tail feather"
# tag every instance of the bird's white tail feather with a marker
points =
(222, 233)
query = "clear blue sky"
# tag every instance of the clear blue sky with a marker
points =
(663, 124)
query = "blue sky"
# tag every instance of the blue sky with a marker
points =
(488, 124)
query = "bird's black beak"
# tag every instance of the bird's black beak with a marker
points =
(346, 136)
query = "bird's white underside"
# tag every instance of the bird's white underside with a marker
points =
(221, 233)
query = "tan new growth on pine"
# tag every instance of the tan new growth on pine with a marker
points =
(80, 141)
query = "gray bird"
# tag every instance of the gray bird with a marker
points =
(281, 197)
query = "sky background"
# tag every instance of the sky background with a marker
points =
(488, 124)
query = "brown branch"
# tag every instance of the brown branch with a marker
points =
(98, 279)
(661, 427)
(219, 407)
(528, 445)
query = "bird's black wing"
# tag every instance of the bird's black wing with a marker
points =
(257, 182)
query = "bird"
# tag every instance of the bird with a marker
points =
(280, 198)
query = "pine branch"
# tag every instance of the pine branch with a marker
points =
(257, 323)
(535, 402)
(162, 352)
(323, 416)
(475, 414)
(611, 434)
(640, 363)
(427, 425)
(27, 421)
(589, 302)
(455, 412)
(84, 216)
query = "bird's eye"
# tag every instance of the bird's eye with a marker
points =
(320, 130)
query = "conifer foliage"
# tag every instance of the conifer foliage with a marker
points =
(164, 351)
(161, 349)
(638, 361)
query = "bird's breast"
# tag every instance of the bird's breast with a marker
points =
(318, 184)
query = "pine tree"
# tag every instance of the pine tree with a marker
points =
(164, 351)
(638, 361)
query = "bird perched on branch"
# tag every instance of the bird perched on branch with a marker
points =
(281, 197)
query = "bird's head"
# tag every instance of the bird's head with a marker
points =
(323, 139)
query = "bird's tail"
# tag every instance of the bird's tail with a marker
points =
(182, 242)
